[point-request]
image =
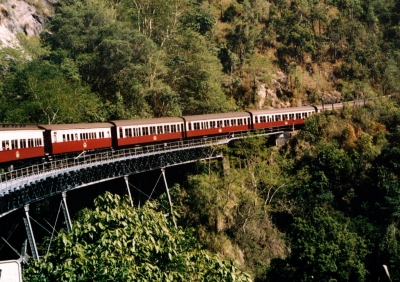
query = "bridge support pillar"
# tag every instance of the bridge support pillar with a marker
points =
(66, 213)
(126, 177)
(29, 232)
(169, 196)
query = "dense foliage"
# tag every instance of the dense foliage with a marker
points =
(116, 242)
(143, 58)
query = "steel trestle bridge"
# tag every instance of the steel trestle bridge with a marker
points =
(31, 184)
(21, 187)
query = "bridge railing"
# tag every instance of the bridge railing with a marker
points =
(26, 175)
(106, 156)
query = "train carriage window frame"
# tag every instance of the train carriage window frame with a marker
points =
(167, 129)
(31, 143)
(159, 129)
(145, 131)
(173, 128)
(14, 144)
(128, 132)
(263, 119)
(226, 123)
(278, 117)
(256, 119)
(284, 117)
(219, 123)
(3, 145)
(298, 115)
(22, 143)
(240, 121)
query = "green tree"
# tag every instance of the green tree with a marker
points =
(195, 73)
(39, 93)
(323, 248)
(117, 242)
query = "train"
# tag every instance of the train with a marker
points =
(21, 142)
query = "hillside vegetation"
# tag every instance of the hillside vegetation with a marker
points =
(324, 207)
(102, 59)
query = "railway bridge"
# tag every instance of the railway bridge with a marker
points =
(21, 187)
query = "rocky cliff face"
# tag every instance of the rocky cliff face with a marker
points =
(19, 16)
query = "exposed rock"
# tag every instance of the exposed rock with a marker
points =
(18, 16)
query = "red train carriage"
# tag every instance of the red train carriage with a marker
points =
(142, 131)
(280, 117)
(67, 138)
(18, 141)
(214, 124)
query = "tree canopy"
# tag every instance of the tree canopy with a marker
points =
(117, 242)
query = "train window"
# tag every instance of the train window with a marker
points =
(30, 143)
(38, 142)
(166, 128)
(120, 133)
(160, 129)
(64, 138)
(196, 126)
(145, 131)
(152, 130)
(102, 134)
(173, 127)
(255, 119)
(219, 123)
(240, 121)
(190, 126)
(5, 145)
(303, 115)
(263, 119)
(22, 143)
(128, 132)
(205, 125)
(285, 117)
(14, 144)
(278, 117)
(226, 122)
(233, 122)
(298, 116)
